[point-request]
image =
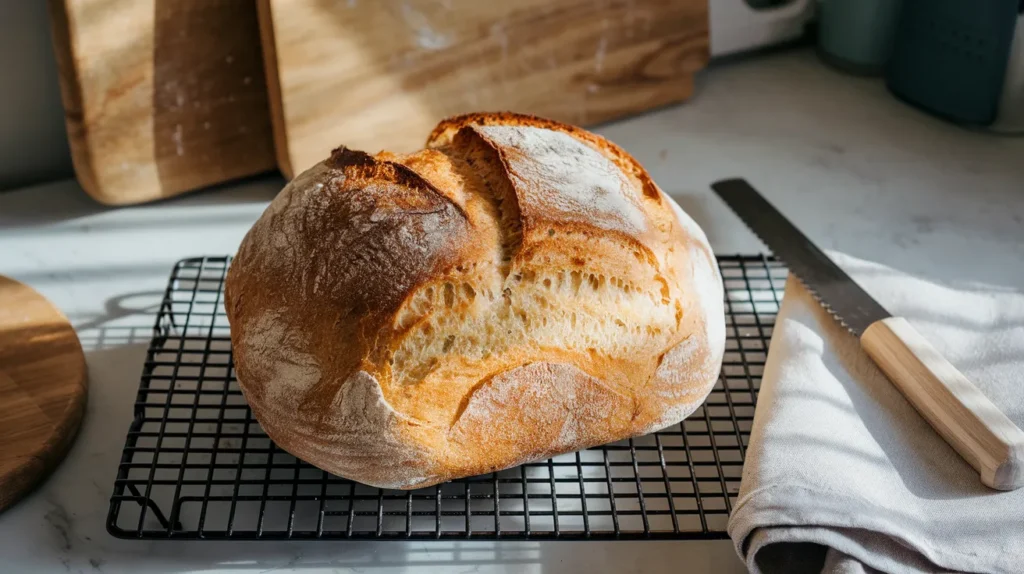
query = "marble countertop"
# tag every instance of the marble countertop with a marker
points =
(857, 170)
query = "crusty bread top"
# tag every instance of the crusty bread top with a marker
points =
(447, 129)
(513, 258)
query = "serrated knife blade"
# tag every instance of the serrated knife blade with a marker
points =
(831, 286)
(956, 409)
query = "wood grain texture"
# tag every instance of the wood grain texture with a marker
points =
(377, 75)
(965, 418)
(160, 96)
(42, 389)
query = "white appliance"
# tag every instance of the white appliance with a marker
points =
(736, 26)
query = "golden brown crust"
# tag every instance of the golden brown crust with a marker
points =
(517, 290)
(626, 162)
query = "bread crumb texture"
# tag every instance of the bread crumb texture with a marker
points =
(518, 289)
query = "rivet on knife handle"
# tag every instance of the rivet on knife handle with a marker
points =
(975, 427)
(955, 408)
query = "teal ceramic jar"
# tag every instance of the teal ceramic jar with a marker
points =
(857, 35)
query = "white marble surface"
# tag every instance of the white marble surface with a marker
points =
(857, 170)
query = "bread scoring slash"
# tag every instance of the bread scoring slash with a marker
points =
(518, 289)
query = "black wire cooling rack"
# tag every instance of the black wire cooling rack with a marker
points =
(196, 465)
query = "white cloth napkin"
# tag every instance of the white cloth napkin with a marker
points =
(843, 475)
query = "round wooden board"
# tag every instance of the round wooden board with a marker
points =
(42, 389)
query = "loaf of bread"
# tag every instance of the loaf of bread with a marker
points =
(518, 289)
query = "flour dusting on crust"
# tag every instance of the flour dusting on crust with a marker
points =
(361, 434)
(566, 179)
(707, 280)
(570, 408)
(365, 434)
(273, 348)
(672, 416)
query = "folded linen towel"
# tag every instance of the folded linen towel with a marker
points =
(843, 475)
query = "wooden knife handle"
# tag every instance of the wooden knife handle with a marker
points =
(969, 422)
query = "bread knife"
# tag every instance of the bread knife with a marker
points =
(954, 407)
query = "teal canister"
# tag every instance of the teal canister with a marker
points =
(950, 57)
(856, 35)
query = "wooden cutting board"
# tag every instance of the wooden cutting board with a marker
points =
(379, 74)
(161, 96)
(42, 389)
